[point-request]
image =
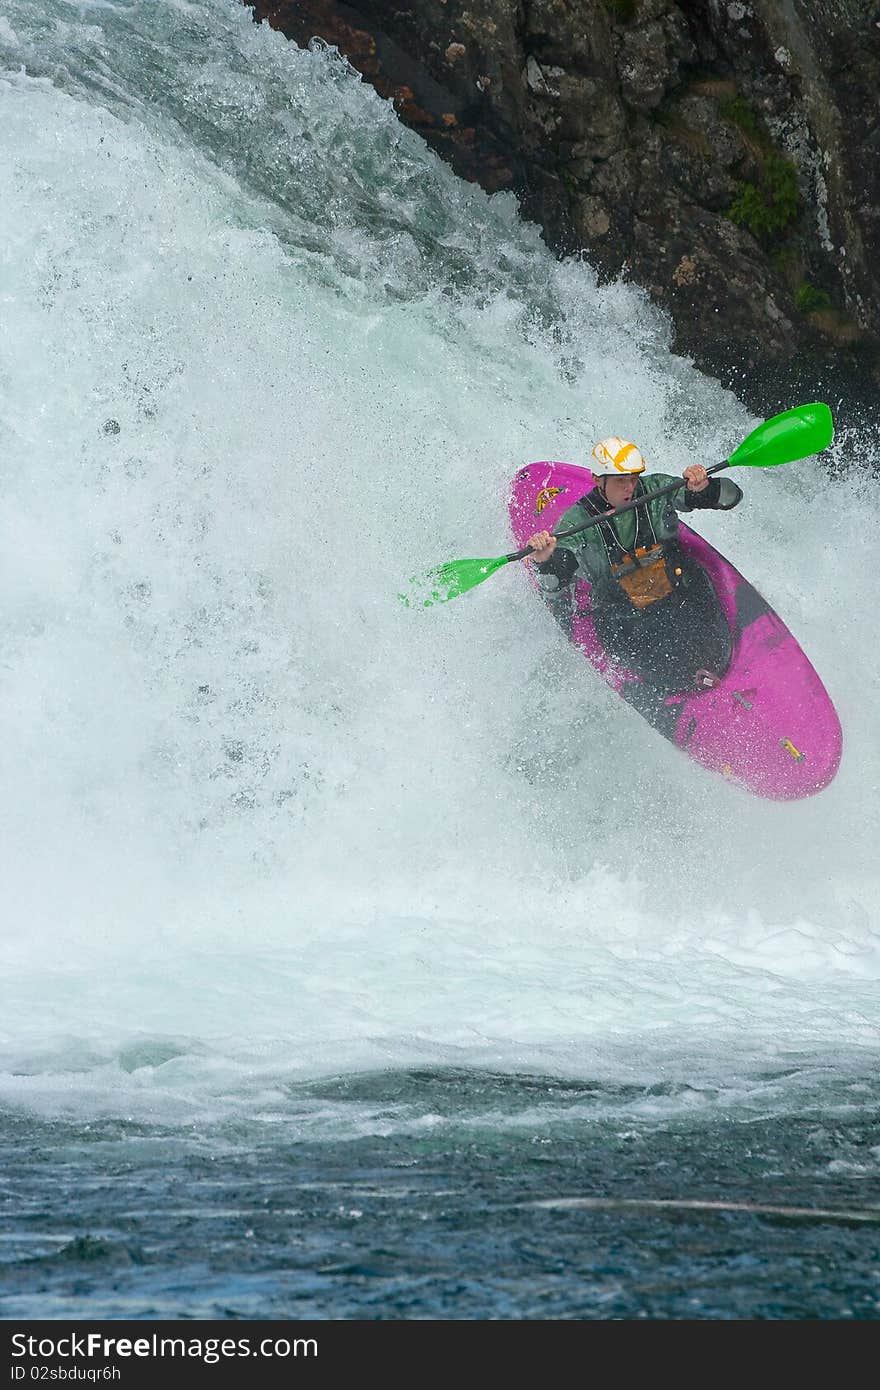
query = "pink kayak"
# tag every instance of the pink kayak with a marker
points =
(769, 725)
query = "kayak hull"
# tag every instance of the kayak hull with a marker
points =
(769, 725)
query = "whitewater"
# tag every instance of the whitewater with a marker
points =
(263, 359)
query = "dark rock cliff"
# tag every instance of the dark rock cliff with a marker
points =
(723, 154)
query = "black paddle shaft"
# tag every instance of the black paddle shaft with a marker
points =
(616, 511)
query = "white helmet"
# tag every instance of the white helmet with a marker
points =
(616, 458)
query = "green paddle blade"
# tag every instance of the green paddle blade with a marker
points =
(792, 435)
(440, 585)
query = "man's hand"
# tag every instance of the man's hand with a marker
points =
(696, 477)
(543, 545)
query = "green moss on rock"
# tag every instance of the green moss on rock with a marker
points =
(808, 298)
(623, 10)
(769, 207)
(741, 113)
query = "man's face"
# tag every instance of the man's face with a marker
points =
(620, 490)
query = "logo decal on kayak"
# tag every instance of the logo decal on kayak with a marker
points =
(742, 697)
(546, 495)
(789, 747)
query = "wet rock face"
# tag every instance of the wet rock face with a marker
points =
(724, 154)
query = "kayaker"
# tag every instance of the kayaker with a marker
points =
(654, 610)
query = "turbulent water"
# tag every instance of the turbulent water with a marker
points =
(295, 874)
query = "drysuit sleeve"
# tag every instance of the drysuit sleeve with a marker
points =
(721, 495)
(558, 570)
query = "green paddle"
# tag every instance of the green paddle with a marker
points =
(807, 429)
